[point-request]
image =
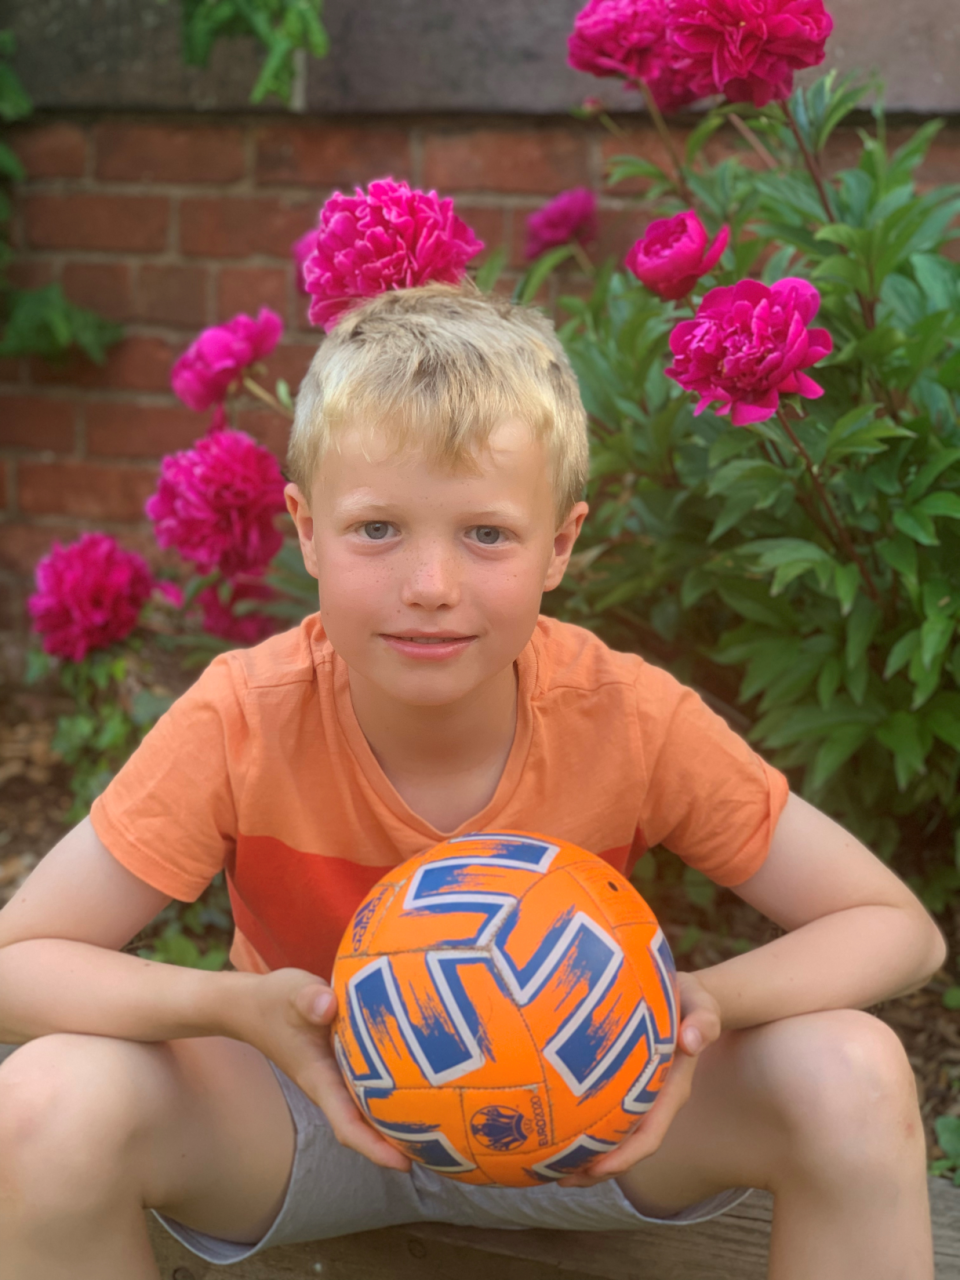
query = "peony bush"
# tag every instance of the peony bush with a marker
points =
(773, 380)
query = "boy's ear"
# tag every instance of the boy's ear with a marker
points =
(300, 513)
(563, 544)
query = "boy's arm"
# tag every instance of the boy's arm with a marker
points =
(857, 934)
(61, 970)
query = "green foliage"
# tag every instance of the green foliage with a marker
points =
(194, 935)
(42, 322)
(107, 722)
(36, 321)
(815, 556)
(281, 27)
(948, 1136)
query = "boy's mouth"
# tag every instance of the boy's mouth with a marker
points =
(438, 644)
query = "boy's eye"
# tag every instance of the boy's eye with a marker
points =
(376, 530)
(487, 534)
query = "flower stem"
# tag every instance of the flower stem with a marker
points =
(580, 257)
(611, 125)
(656, 116)
(266, 397)
(753, 141)
(841, 536)
(809, 160)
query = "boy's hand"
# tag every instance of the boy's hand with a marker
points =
(699, 1027)
(288, 1018)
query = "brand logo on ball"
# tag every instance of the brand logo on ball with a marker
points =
(499, 1128)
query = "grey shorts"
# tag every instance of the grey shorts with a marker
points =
(333, 1191)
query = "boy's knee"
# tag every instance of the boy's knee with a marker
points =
(846, 1091)
(67, 1115)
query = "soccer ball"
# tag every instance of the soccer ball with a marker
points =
(507, 1008)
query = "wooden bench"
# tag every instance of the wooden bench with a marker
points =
(731, 1247)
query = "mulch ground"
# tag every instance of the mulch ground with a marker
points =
(34, 796)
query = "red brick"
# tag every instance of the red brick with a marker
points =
(31, 273)
(324, 154)
(250, 288)
(84, 220)
(51, 150)
(102, 286)
(523, 160)
(172, 295)
(289, 361)
(137, 364)
(489, 225)
(168, 153)
(85, 491)
(619, 230)
(22, 544)
(35, 422)
(11, 369)
(234, 227)
(269, 428)
(140, 431)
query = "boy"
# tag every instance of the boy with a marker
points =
(438, 455)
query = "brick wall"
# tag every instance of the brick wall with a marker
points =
(169, 224)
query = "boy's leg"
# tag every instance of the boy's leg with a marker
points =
(93, 1129)
(821, 1110)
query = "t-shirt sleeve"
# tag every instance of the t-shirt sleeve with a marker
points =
(710, 798)
(170, 814)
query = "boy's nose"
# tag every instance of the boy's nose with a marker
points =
(432, 580)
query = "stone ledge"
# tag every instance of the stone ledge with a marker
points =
(505, 56)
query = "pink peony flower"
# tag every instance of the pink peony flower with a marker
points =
(748, 345)
(629, 38)
(748, 49)
(572, 215)
(89, 595)
(301, 250)
(389, 238)
(617, 38)
(216, 503)
(674, 253)
(203, 375)
(169, 593)
(246, 628)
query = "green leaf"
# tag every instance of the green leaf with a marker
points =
(951, 1000)
(948, 1135)
(929, 472)
(699, 889)
(842, 743)
(540, 270)
(900, 734)
(900, 554)
(861, 627)
(828, 682)
(489, 273)
(148, 707)
(846, 578)
(939, 504)
(901, 653)
(916, 525)
(622, 168)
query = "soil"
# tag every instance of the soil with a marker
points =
(34, 797)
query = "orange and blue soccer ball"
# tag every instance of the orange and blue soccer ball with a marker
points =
(507, 1008)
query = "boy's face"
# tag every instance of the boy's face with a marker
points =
(430, 579)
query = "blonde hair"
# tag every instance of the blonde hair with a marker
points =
(438, 368)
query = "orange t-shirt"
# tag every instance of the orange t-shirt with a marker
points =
(262, 769)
